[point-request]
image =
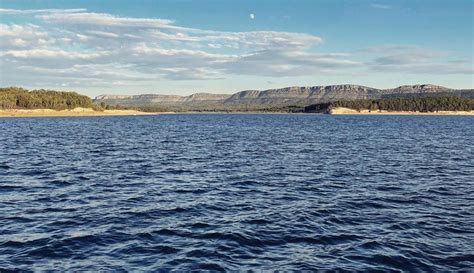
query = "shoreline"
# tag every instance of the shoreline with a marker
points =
(348, 111)
(77, 112)
(84, 112)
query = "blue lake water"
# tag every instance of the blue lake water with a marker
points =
(234, 191)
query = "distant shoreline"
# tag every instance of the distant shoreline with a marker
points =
(81, 112)
(335, 112)
(348, 111)
(77, 112)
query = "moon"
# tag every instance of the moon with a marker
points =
(252, 16)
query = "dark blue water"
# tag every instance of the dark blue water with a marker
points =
(226, 192)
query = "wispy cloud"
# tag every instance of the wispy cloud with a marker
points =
(79, 46)
(163, 30)
(33, 11)
(102, 19)
(380, 6)
(149, 46)
(416, 60)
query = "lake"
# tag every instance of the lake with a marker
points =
(237, 191)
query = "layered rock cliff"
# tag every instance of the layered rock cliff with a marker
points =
(300, 96)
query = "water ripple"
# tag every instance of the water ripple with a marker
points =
(237, 192)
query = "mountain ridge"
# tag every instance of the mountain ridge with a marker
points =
(292, 95)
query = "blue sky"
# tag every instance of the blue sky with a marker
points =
(183, 46)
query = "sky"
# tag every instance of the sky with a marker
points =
(188, 46)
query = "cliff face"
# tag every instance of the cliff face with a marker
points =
(279, 97)
(303, 95)
(419, 88)
(425, 90)
(152, 99)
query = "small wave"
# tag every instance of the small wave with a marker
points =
(324, 239)
(136, 249)
(157, 193)
(200, 225)
(258, 221)
(5, 188)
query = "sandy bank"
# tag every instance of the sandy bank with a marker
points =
(348, 111)
(67, 113)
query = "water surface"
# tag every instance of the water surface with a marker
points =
(226, 192)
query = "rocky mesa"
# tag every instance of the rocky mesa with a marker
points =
(281, 97)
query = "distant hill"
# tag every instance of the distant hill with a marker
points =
(277, 98)
(425, 90)
(164, 100)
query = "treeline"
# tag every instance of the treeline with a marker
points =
(216, 108)
(20, 98)
(419, 104)
(104, 106)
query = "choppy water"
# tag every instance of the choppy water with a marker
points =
(237, 192)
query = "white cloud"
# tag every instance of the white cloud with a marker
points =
(78, 47)
(103, 19)
(22, 31)
(33, 11)
(103, 34)
(23, 36)
(163, 30)
(287, 63)
(48, 54)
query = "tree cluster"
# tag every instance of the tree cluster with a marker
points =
(419, 104)
(19, 98)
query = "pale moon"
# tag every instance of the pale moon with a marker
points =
(252, 16)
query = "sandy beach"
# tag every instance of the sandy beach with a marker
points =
(348, 111)
(67, 113)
